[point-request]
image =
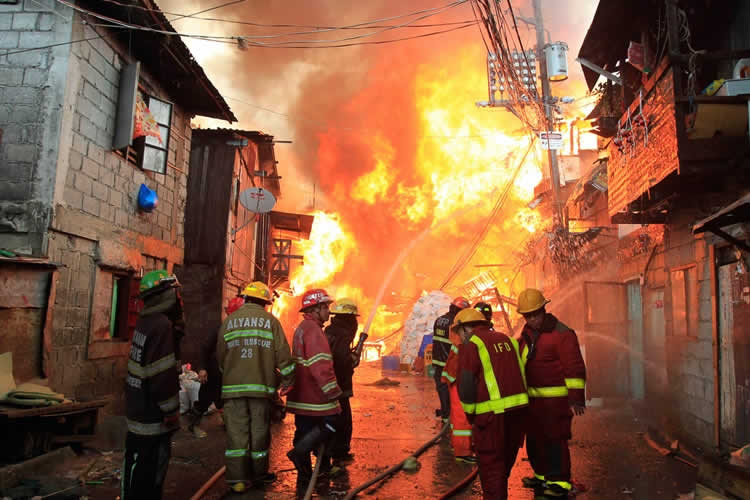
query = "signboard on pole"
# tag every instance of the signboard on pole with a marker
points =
(551, 140)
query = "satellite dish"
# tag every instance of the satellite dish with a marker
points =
(257, 200)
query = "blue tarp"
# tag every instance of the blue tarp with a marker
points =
(426, 340)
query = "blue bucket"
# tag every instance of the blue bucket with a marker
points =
(391, 363)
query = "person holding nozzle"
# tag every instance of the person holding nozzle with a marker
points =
(493, 395)
(441, 348)
(556, 376)
(314, 399)
(340, 334)
(253, 354)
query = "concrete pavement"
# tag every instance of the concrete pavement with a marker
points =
(609, 454)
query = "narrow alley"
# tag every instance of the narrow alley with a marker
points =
(481, 232)
(609, 453)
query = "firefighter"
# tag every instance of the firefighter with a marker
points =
(251, 347)
(209, 375)
(485, 309)
(152, 387)
(460, 426)
(314, 399)
(493, 394)
(556, 377)
(340, 334)
(441, 347)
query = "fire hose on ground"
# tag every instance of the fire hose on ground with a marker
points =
(397, 467)
(460, 485)
(353, 493)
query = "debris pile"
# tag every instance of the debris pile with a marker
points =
(420, 322)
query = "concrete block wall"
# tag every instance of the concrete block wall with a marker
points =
(690, 358)
(96, 226)
(32, 80)
(100, 183)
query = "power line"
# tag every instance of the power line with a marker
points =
(183, 16)
(362, 25)
(374, 42)
(366, 35)
(241, 39)
(464, 259)
(249, 38)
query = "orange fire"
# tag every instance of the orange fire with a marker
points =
(452, 168)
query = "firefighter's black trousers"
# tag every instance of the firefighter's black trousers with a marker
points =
(145, 466)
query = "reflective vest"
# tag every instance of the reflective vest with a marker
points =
(491, 359)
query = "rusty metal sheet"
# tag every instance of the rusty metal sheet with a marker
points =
(22, 336)
(23, 287)
(634, 171)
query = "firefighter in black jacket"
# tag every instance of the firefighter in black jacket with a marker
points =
(340, 334)
(441, 347)
(152, 387)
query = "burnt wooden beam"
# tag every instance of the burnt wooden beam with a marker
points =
(728, 237)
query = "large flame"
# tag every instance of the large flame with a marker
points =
(460, 161)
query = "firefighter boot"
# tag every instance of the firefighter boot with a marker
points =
(194, 418)
(533, 482)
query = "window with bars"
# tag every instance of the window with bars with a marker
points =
(154, 152)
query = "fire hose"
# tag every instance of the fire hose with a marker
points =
(314, 478)
(397, 467)
(459, 486)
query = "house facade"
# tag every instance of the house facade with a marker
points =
(663, 310)
(76, 239)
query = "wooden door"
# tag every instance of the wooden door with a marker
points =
(605, 328)
(635, 340)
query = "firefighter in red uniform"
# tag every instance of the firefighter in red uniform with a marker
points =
(460, 426)
(556, 378)
(314, 397)
(493, 394)
(441, 347)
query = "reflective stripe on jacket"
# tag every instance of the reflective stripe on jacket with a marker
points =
(152, 386)
(450, 372)
(250, 348)
(491, 378)
(441, 343)
(553, 363)
(315, 390)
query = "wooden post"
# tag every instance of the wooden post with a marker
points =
(505, 314)
(716, 346)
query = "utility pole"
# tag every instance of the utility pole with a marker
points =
(547, 102)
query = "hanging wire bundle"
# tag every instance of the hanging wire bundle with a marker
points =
(501, 38)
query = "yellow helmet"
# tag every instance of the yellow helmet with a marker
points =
(469, 316)
(531, 300)
(257, 290)
(344, 306)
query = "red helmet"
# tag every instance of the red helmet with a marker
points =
(234, 304)
(460, 302)
(314, 297)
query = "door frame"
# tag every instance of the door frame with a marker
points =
(715, 341)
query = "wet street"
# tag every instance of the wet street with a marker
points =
(609, 453)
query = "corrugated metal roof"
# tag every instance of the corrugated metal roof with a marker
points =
(183, 77)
